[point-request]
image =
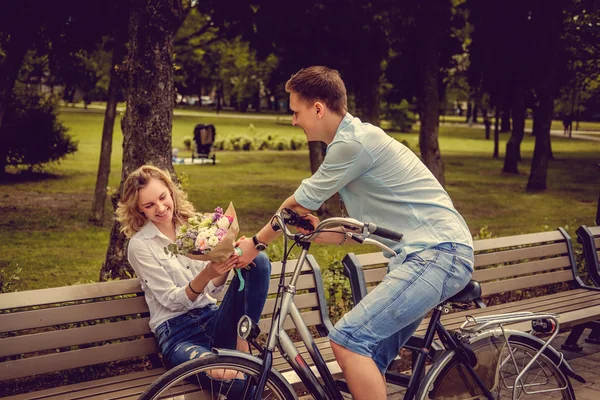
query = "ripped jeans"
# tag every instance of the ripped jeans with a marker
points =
(196, 332)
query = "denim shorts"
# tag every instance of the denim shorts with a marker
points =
(384, 320)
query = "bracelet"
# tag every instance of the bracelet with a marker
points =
(193, 291)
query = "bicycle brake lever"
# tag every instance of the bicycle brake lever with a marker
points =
(380, 245)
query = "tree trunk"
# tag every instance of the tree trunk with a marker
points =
(505, 125)
(97, 213)
(496, 133)
(513, 146)
(366, 94)
(150, 98)
(551, 23)
(541, 151)
(430, 20)
(469, 111)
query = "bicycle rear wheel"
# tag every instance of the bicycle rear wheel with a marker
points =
(449, 379)
(203, 379)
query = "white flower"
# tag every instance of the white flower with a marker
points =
(223, 223)
(213, 241)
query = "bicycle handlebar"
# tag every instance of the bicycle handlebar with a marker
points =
(286, 217)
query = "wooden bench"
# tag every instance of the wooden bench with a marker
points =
(98, 330)
(589, 237)
(504, 266)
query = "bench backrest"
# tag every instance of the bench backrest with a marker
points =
(56, 329)
(501, 264)
(589, 237)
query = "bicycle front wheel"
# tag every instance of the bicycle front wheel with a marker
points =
(498, 369)
(216, 378)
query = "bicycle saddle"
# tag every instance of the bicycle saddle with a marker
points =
(470, 292)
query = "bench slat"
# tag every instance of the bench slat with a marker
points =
(72, 313)
(577, 298)
(559, 303)
(505, 271)
(499, 257)
(73, 337)
(517, 240)
(302, 301)
(526, 282)
(76, 358)
(376, 275)
(99, 386)
(40, 297)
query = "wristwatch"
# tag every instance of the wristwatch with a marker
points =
(258, 245)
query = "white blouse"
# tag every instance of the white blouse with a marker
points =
(164, 277)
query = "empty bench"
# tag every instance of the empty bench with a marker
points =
(506, 266)
(98, 333)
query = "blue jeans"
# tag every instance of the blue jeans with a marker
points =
(384, 320)
(196, 332)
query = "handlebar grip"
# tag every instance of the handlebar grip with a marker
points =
(388, 234)
(305, 224)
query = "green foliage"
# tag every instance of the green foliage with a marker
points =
(9, 281)
(484, 233)
(337, 286)
(31, 134)
(250, 143)
(400, 116)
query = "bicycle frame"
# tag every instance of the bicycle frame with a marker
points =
(327, 390)
(279, 338)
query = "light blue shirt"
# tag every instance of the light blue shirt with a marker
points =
(382, 181)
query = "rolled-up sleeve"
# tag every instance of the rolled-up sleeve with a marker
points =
(154, 278)
(345, 161)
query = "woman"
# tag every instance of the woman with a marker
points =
(184, 318)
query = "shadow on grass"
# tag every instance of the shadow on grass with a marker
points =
(26, 176)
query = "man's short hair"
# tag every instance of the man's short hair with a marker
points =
(320, 83)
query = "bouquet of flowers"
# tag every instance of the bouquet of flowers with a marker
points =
(208, 237)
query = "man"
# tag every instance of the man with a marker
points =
(383, 182)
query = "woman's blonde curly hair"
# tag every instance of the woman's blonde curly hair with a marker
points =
(128, 213)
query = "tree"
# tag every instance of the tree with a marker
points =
(114, 87)
(433, 20)
(150, 98)
(548, 22)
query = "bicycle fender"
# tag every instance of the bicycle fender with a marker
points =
(549, 352)
(250, 357)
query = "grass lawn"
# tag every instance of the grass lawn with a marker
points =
(43, 217)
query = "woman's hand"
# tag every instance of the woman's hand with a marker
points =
(220, 268)
(249, 252)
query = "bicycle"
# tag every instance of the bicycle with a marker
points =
(482, 360)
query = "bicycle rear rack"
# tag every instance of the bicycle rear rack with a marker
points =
(478, 324)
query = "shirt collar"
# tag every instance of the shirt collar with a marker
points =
(347, 120)
(150, 231)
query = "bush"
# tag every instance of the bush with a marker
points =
(337, 287)
(9, 281)
(401, 116)
(31, 133)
